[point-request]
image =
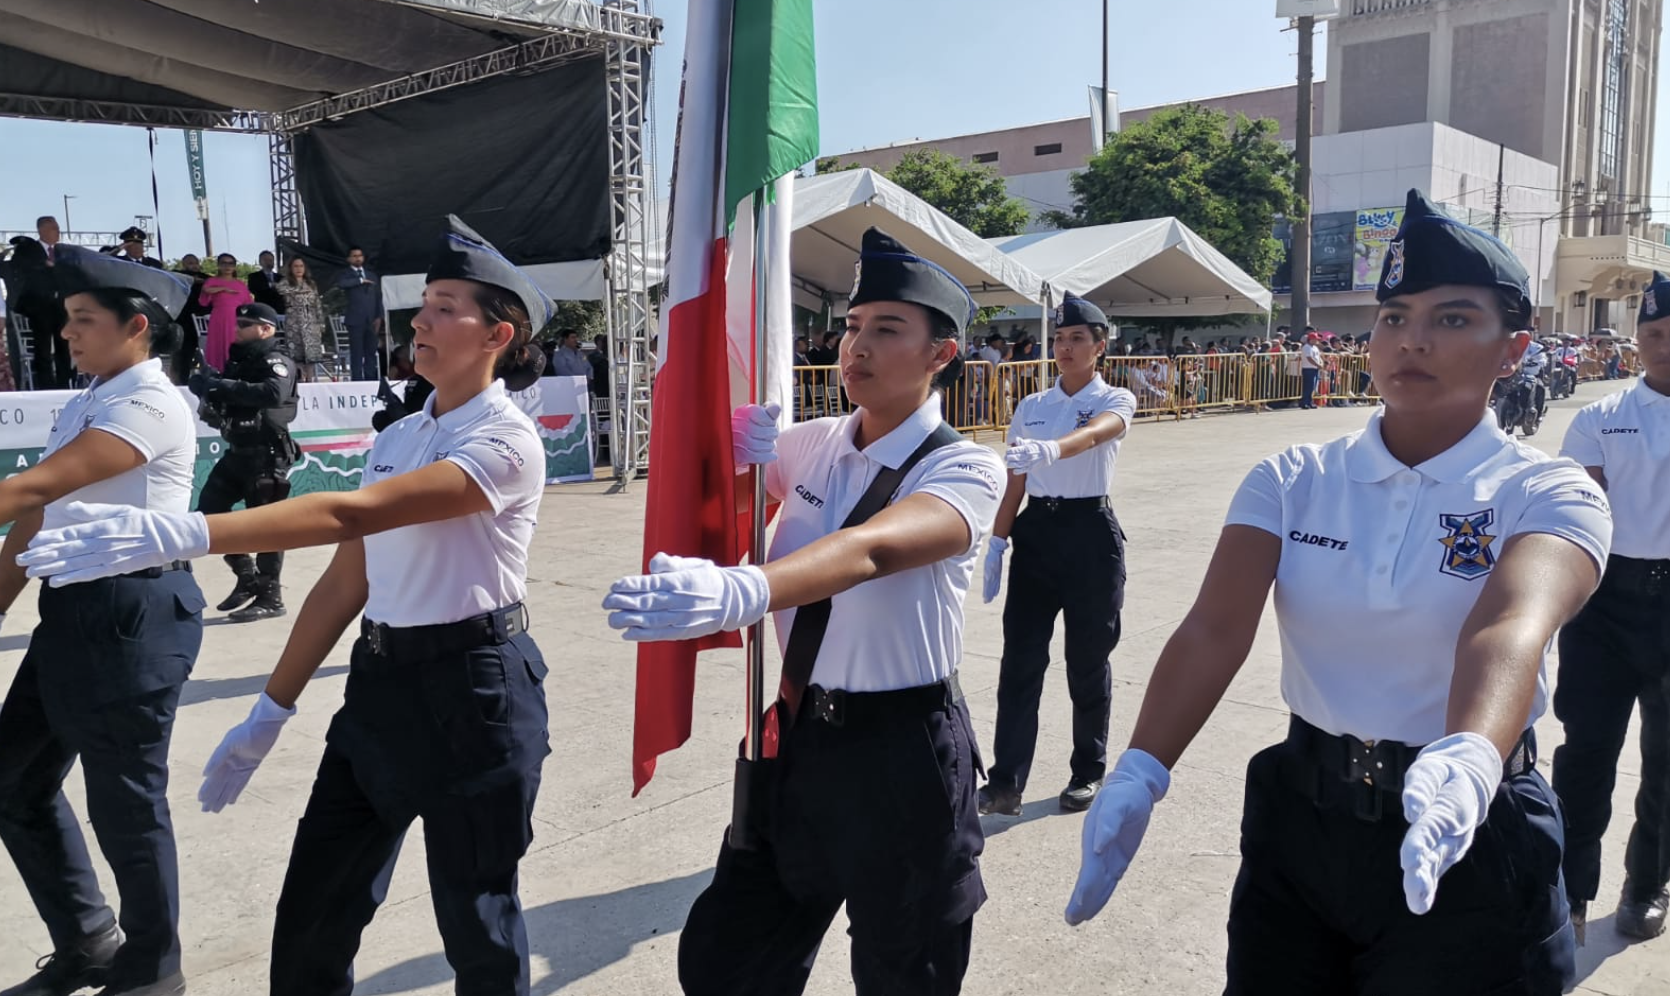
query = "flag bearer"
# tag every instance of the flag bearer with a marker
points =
(1069, 560)
(873, 800)
(1421, 567)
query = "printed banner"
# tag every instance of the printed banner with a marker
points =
(332, 427)
(199, 175)
(1331, 251)
(1376, 229)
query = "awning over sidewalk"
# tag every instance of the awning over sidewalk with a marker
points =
(1139, 269)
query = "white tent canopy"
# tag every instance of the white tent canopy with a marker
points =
(833, 210)
(1150, 269)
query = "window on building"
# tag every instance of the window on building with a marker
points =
(985, 157)
(1046, 150)
(1613, 84)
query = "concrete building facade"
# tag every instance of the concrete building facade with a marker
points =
(1569, 82)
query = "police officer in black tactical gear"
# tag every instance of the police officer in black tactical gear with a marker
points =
(252, 403)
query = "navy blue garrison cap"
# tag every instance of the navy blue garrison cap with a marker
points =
(888, 271)
(257, 312)
(464, 255)
(80, 269)
(1432, 249)
(1074, 310)
(1655, 300)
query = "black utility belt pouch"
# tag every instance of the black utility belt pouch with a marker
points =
(755, 788)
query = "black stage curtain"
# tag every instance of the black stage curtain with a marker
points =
(523, 160)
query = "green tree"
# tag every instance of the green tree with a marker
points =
(833, 164)
(1226, 180)
(976, 197)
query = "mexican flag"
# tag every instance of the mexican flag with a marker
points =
(748, 120)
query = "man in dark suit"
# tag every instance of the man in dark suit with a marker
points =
(363, 315)
(263, 283)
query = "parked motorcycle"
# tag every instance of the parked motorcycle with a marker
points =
(1514, 399)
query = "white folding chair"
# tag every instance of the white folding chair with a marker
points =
(25, 351)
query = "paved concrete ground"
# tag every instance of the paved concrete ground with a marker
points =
(610, 877)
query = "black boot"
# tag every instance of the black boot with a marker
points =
(1641, 919)
(268, 604)
(64, 972)
(249, 585)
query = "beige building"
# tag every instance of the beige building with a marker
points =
(1037, 160)
(1568, 82)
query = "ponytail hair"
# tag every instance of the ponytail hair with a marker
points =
(521, 362)
(942, 327)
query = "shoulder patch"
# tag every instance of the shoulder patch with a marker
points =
(280, 366)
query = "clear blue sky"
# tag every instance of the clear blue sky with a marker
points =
(952, 67)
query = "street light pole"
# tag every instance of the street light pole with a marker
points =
(67, 199)
(1299, 317)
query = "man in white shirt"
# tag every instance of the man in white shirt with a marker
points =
(1310, 369)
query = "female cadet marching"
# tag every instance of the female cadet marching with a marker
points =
(1421, 567)
(873, 803)
(444, 715)
(1069, 561)
(102, 676)
(1617, 651)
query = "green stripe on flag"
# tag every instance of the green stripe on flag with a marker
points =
(772, 115)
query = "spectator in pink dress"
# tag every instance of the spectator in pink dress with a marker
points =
(222, 293)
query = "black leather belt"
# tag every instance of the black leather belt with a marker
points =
(157, 572)
(1059, 504)
(1642, 577)
(1370, 770)
(424, 642)
(857, 710)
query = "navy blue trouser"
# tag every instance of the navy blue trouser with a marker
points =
(458, 741)
(882, 819)
(1308, 378)
(362, 350)
(1069, 563)
(1318, 907)
(1615, 653)
(101, 681)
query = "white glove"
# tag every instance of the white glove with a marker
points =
(1031, 453)
(106, 540)
(994, 568)
(1113, 829)
(240, 753)
(1446, 796)
(754, 434)
(683, 598)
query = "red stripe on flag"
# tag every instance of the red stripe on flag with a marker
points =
(691, 506)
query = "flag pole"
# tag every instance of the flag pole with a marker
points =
(744, 791)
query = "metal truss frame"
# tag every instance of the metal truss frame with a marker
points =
(288, 222)
(625, 36)
(627, 309)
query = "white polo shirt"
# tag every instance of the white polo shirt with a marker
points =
(1381, 564)
(905, 629)
(442, 572)
(1627, 435)
(140, 407)
(1053, 414)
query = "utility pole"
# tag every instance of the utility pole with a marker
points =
(1501, 161)
(1300, 309)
